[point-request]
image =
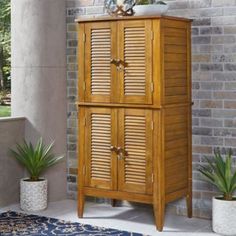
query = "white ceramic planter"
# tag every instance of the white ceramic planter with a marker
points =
(224, 217)
(33, 195)
(151, 9)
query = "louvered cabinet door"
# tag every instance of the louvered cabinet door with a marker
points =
(135, 52)
(100, 161)
(135, 139)
(100, 49)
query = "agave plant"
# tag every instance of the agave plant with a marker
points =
(220, 173)
(35, 159)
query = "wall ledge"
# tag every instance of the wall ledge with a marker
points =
(7, 119)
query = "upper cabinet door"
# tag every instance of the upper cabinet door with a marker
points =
(99, 72)
(135, 52)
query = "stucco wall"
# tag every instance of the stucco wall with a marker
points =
(214, 84)
(39, 78)
(12, 130)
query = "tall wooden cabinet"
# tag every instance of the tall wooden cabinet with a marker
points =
(134, 103)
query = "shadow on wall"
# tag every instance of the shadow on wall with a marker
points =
(12, 130)
(55, 175)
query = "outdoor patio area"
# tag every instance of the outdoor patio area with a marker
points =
(132, 219)
(134, 107)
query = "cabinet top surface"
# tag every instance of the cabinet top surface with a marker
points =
(113, 18)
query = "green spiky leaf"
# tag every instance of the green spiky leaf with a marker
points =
(219, 173)
(35, 159)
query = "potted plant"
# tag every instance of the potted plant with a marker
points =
(221, 174)
(36, 159)
(150, 7)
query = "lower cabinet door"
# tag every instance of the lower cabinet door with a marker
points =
(135, 158)
(100, 135)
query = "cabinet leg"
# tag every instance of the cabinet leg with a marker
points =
(80, 204)
(159, 212)
(113, 202)
(189, 205)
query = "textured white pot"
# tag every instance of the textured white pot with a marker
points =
(151, 9)
(224, 217)
(33, 195)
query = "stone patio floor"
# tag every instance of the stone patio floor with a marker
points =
(135, 219)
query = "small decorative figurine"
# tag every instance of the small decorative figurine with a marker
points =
(120, 7)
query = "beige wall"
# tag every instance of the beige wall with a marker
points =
(11, 131)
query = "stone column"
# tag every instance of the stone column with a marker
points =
(39, 77)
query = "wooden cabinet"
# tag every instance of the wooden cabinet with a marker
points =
(134, 95)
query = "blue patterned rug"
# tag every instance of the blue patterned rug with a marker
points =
(13, 223)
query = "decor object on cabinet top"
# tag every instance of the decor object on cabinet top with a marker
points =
(36, 159)
(150, 7)
(220, 173)
(120, 7)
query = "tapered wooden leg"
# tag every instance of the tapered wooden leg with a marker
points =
(80, 204)
(113, 202)
(189, 205)
(159, 212)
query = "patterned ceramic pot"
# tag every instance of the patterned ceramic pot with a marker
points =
(224, 216)
(33, 195)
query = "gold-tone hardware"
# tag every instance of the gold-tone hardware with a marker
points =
(114, 149)
(152, 125)
(122, 154)
(120, 68)
(115, 61)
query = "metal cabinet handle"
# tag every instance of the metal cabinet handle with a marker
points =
(115, 61)
(120, 68)
(121, 153)
(113, 149)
